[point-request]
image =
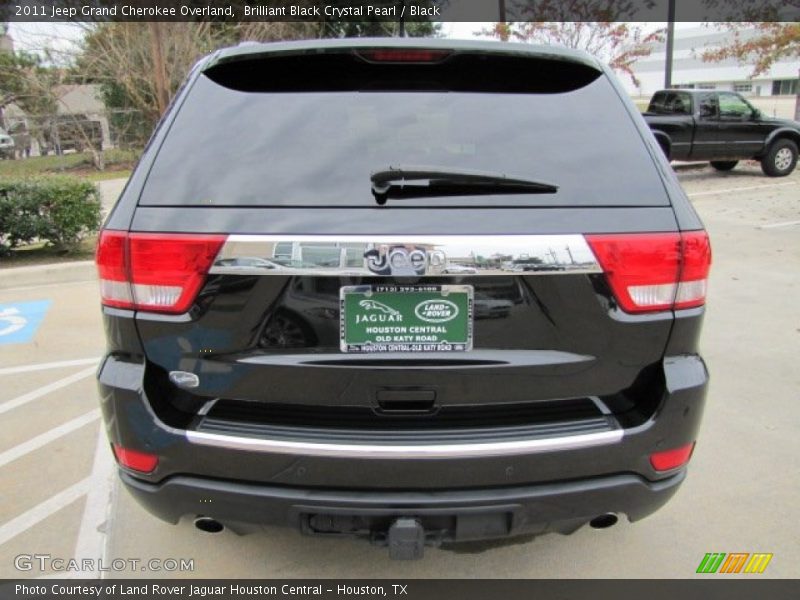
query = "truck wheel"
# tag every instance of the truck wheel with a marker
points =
(724, 165)
(780, 159)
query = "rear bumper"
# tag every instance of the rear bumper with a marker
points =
(557, 485)
(455, 515)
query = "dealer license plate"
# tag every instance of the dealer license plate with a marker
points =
(406, 318)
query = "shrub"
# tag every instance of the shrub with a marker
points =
(58, 210)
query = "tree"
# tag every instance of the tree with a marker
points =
(758, 43)
(26, 82)
(139, 69)
(376, 27)
(599, 27)
(120, 57)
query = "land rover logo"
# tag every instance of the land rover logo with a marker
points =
(400, 260)
(436, 311)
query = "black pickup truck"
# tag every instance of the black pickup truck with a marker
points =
(721, 127)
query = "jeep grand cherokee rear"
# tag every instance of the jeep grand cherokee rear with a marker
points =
(316, 314)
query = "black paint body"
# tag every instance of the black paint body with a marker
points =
(563, 344)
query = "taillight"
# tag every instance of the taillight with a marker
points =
(112, 261)
(655, 271)
(153, 271)
(134, 460)
(671, 459)
(401, 55)
(696, 261)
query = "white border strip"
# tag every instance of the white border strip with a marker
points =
(740, 189)
(40, 512)
(44, 390)
(50, 365)
(93, 532)
(777, 225)
(45, 438)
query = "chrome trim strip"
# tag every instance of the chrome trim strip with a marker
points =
(508, 448)
(405, 255)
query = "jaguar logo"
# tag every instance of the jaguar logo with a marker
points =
(379, 306)
(403, 261)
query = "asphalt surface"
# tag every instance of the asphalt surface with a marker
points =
(59, 496)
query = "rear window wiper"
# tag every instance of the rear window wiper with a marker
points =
(417, 182)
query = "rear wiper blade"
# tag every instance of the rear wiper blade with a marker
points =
(416, 182)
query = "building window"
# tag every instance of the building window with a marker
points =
(282, 250)
(320, 254)
(742, 87)
(706, 86)
(784, 87)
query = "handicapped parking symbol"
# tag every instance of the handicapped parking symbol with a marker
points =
(12, 320)
(20, 321)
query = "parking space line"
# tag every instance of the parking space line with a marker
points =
(49, 365)
(44, 390)
(92, 535)
(40, 512)
(43, 286)
(777, 225)
(739, 189)
(48, 436)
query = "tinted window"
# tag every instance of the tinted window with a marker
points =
(733, 107)
(238, 148)
(657, 103)
(709, 107)
(679, 103)
(671, 103)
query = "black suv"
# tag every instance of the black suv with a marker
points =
(314, 315)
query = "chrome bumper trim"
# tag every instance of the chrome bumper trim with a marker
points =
(506, 448)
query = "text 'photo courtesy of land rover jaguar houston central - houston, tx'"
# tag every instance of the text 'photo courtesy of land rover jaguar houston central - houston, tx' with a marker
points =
(419, 292)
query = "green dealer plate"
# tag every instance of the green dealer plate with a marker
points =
(406, 318)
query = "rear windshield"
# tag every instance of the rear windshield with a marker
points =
(231, 146)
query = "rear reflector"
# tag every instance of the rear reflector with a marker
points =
(392, 55)
(671, 459)
(655, 271)
(154, 271)
(135, 460)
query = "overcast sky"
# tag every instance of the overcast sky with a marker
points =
(36, 36)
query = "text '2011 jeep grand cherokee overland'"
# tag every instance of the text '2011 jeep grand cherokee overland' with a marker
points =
(415, 291)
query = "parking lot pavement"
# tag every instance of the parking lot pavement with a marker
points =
(50, 343)
(59, 496)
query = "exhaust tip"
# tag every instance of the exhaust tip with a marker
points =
(208, 525)
(604, 521)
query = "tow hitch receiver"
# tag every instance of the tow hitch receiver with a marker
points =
(406, 539)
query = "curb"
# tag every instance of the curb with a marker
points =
(687, 166)
(70, 272)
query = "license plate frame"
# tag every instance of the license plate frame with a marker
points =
(399, 318)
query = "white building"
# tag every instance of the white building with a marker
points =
(690, 71)
(84, 101)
